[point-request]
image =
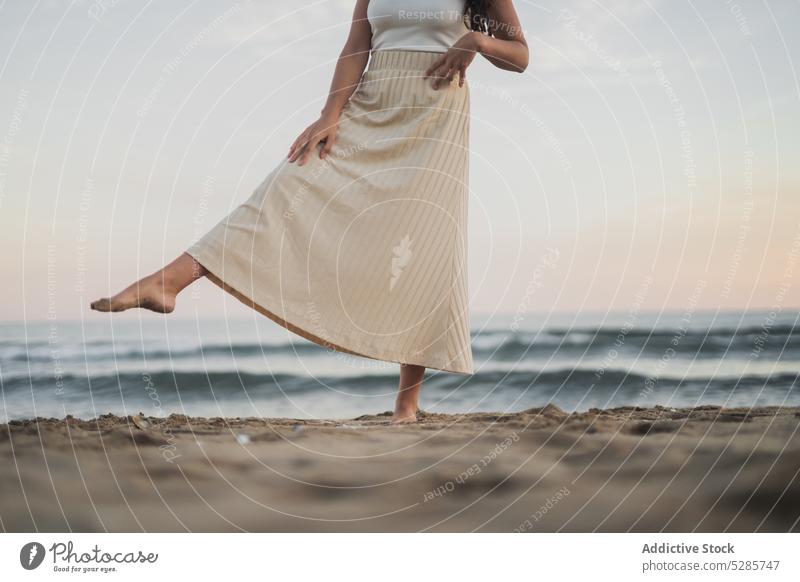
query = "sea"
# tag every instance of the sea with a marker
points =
(251, 367)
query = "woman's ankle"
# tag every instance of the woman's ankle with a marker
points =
(405, 408)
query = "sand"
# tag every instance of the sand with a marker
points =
(541, 470)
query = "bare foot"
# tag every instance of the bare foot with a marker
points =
(404, 416)
(148, 293)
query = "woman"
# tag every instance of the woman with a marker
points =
(357, 240)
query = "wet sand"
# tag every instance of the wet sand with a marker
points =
(541, 470)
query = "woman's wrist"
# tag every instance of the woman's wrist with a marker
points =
(476, 41)
(330, 112)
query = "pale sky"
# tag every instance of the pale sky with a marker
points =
(647, 158)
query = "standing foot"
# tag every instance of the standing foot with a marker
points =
(407, 403)
(148, 293)
(404, 416)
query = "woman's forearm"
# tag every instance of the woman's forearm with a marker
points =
(350, 66)
(510, 55)
(506, 48)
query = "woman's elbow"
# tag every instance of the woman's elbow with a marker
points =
(522, 65)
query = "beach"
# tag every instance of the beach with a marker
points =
(644, 469)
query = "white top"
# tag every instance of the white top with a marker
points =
(416, 25)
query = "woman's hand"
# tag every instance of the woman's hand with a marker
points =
(321, 131)
(455, 60)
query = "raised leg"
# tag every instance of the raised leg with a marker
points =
(407, 404)
(155, 292)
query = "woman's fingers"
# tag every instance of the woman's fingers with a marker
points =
(313, 135)
(326, 149)
(310, 147)
(440, 69)
(305, 144)
(445, 68)
(300, 139)
(445, 73)
(297, 145)
(296, 154)
(436, 64)
(296, 151)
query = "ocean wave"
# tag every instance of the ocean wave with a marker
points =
(188, 384)
(503, 346)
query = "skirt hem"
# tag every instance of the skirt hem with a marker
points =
(347, 346)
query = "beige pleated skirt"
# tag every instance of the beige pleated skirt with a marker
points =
(365, 252)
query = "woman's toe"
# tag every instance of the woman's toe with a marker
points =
(101, 304)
